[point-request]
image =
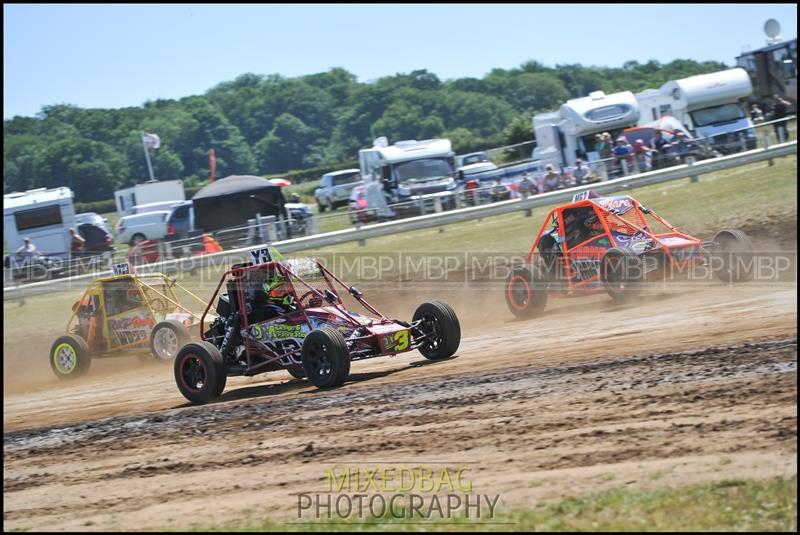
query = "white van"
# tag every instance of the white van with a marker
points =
(134, 229)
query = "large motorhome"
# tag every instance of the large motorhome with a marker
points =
(43, 215)
(708, 105)
(568, 134)
(408, 175)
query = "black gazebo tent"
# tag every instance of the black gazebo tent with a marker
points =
(231, 201)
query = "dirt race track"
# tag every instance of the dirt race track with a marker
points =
(676, 388)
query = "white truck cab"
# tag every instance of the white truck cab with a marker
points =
(708, 105)
(408, 175)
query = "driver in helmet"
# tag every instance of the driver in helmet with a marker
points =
(266, 295)
(279, 299)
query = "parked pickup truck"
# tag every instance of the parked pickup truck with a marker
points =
(471, 164)
(335, 187)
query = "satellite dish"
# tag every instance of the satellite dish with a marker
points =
(772, 28)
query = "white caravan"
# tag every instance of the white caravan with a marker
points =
(43, 215)
(149, 192)
(569, 133)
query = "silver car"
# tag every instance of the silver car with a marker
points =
(335, 188)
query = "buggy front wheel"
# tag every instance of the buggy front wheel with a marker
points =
(526, 295)
(439, 328)
(70, 357)
(200, 372)
(325, 357)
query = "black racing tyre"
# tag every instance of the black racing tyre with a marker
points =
(325, 357)
(70, 357)
(732, 256)
(622, 273)
(137, 238)
(441, 329)
(297, 373)
(200, 372)
(322, 207)
(167, 338)
(526, 295)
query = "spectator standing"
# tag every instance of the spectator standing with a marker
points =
(756, 114)
(642, 155)
(779, 110)
(608, 148)
(499, 191)
(551, 179)
(623, 155)
(28, 249)
(598, 144)
(658, 147)
(681, 147)
(76, 243)
(526, 188)
(581, 172)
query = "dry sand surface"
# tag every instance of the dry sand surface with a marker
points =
(678, 387)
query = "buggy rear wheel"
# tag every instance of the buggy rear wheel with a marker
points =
(167, 338)
(441, 330)
(70, 357)
(732, 256)
(200, 372)
(325, 357)
(526, 296)
(622, 273)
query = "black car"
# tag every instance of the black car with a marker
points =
(98, 240)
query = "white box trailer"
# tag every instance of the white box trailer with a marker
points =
(149, 192)
(43, 215)
(708, 105)
(565, 135)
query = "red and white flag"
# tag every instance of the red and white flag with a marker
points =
(151, 141)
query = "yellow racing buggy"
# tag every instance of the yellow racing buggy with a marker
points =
(121, 315)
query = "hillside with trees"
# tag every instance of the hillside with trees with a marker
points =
(272, 124)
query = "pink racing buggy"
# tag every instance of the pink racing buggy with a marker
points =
(288, 315)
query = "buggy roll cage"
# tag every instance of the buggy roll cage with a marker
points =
(146, 300)
(603, 213)
(331, 296)
(556, 216)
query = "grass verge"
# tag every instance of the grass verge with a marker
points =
(730, 505)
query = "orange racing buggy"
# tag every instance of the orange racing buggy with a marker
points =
(122, 315)
(615, 244)
(288, 314)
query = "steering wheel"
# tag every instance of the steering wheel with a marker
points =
(315, 300)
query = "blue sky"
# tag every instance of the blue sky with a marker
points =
(112, 56)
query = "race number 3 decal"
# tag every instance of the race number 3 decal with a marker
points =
(261, 256)
(400, 340)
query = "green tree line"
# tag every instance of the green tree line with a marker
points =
(272, 124)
